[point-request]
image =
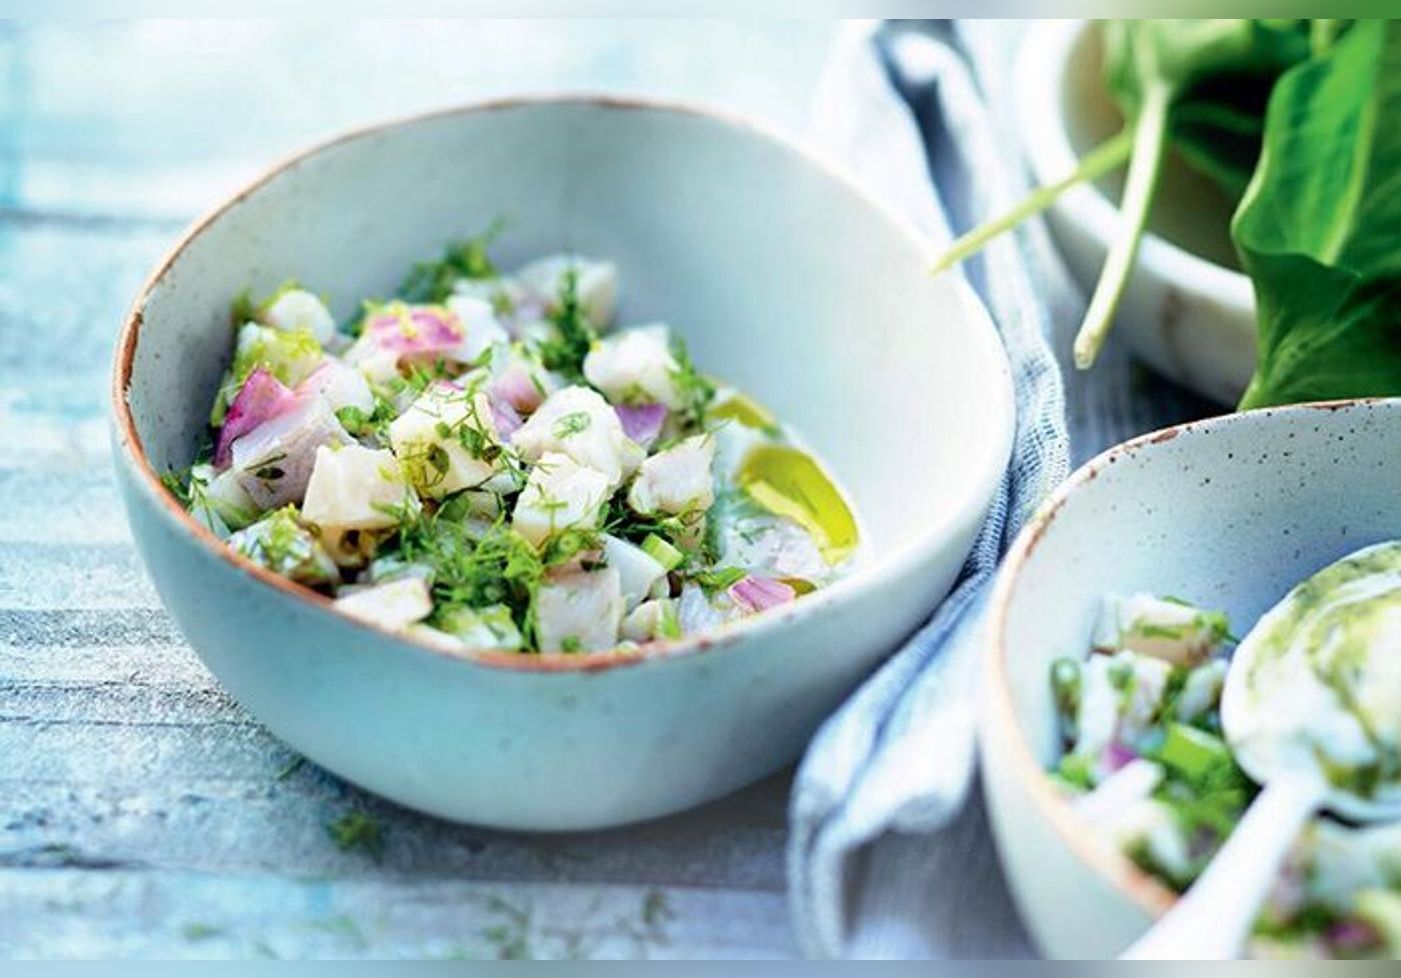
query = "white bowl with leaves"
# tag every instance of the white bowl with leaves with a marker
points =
(1292, 250)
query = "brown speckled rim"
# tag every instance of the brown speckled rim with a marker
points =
(982, 481)
(1141, 888)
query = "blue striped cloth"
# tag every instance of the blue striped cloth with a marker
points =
(889, 850)
(906, 108)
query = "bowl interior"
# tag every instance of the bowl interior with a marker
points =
(782, 278)
(1229, 513)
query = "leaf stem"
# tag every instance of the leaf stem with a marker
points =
(1322, 33)
(1149, 144)
(1104, 158)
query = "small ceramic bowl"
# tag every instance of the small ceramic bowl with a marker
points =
(783, 278)
(1188, 311)
(1229, 512)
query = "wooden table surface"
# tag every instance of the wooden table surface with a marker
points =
(143, 812)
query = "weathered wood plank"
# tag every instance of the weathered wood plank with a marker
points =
(64, 507)
(182, 915)
(69, 575)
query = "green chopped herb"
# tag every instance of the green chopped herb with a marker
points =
(571, 424)
(662, 552)
(566, 351)
(1194, 753)
(720, 579)
(358, 830)
(433, 281)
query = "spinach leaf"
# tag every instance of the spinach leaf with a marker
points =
(1150, 65)
(1319, 230)
(1219, 126)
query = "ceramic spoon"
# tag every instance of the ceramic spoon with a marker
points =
(1315, 687)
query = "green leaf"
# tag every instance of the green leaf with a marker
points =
(1219, 126)
(1150, 66)
(1319, 231)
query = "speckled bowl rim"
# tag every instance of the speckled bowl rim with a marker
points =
(1143, 889)
(982, 479)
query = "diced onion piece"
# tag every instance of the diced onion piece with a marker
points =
(518, 387)
(642, 422)
(261, 398)
(414, 331)
(760, 593)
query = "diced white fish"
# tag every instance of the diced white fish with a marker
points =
(774, 546)
(1150, 826)
(376, 364)
(636, 366)
(274, 461)
(579, 611)
(355, 488)
(1133, 783)
(732, 443)
(223, 497)
(1201, 692)
(394, 605)
(290, 357)
(699, 612)
(638, 572)
(298, 309)
(579, 423)
(596, 283)
(676, 480)
(560, 494)
(1176, 632)
(342, 386)
(479, 325)
(440, 463)
(284, 546)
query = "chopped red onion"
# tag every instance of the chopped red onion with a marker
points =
(1352, 935)
(1116, 756)
(754, 593)
(261, 398)
(517, 388)
(415, 330)
(504, 417)
(643, 422)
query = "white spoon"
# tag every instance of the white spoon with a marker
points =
(1316, 685)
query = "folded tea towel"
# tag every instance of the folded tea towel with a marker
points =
(889, 852)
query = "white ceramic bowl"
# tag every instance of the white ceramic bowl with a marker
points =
(782, 277)
(1187, 311)
(1230, 512)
